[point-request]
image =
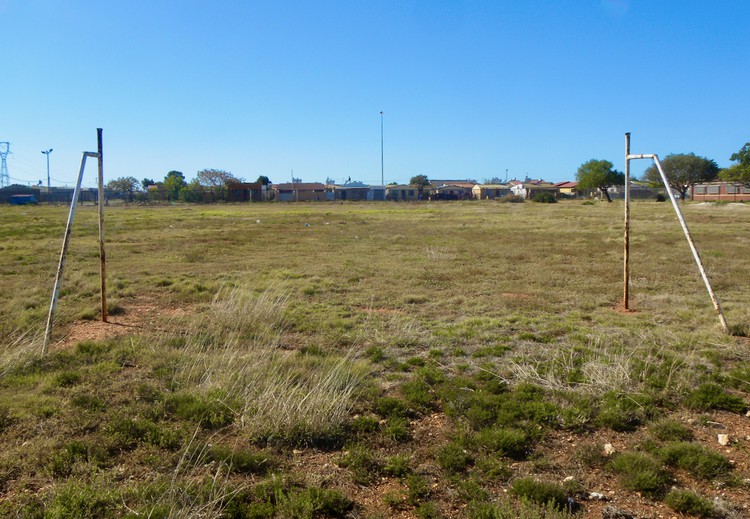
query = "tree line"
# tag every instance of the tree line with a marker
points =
(683, 171)
(174, 187)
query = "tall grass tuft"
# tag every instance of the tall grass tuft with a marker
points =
(283, 396)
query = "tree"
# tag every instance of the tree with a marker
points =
(421, 181)
(739, 172)
(124, 187)
(264, 180)
(173, 182)
(683, 170)
(147, 182)
(216, 180)
(599, 174)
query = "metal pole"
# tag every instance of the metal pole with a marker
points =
(47, 152)
(626, 252)
(685, 229)
(382, 176)
(63, 252)
(102, 255)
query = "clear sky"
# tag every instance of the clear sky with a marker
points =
(469, 89)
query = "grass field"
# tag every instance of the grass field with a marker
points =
(375, 360)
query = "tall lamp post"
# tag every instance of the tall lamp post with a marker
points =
(382, 178)
(47, 152)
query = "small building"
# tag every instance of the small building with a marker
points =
(376, 194)
(490, 191)
(300, 192)
(452, 192)
(354, 191)
(404, 192)
(567, 189)
(720, 191)
(245, 192)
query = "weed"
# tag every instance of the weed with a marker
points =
(540, 492)
(419, 394)
(640, 472)
(688, 502)
(375, 353)
(428, 510)
(590, 455)
(77, 500)
(712, 396)
(314, 502)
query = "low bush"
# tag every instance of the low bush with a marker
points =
(641, 473)
(712, 396)
(540, 492)
(696, 459)
(363, 465)
(544, 197)
(512, 443)
(454, 458)
(670, 430)
(687, 502)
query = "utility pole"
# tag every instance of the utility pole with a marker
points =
(47, 152)
(382, 176)
(4, 176)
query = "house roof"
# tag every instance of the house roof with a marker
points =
(566, 184)
(462, 183)
(300, 186)
(493, 186)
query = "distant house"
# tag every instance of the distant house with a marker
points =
(639, 190)
(404, 192)
(720, 191)
(567, 189)
(354, 191)
(452, 192)
(300, 192)
(528, 188)
(459, 183)
(245, 192)
(490, 191)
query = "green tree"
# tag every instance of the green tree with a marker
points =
(264, 180)
(683, 170)
(216, 180)
(421, 182)
(739, 172)
(124, 187)
(599, 174)
(173, 182)
(147, 182)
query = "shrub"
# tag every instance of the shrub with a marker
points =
(390, 407)
(397, 430)
(687, 502)
(243, 461)
(544, 197)
(418, 488)
(454, 458)
(512, 443)
(210, 411)
(696, 459)
(640, 473)
(314, 502)
(712, 396)
(540, 492)
(670, 430)
(362, 464)
(397, 466)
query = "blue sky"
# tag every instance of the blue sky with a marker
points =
(469, 88)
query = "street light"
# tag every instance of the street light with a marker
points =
(47, 152)
(382, 179)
